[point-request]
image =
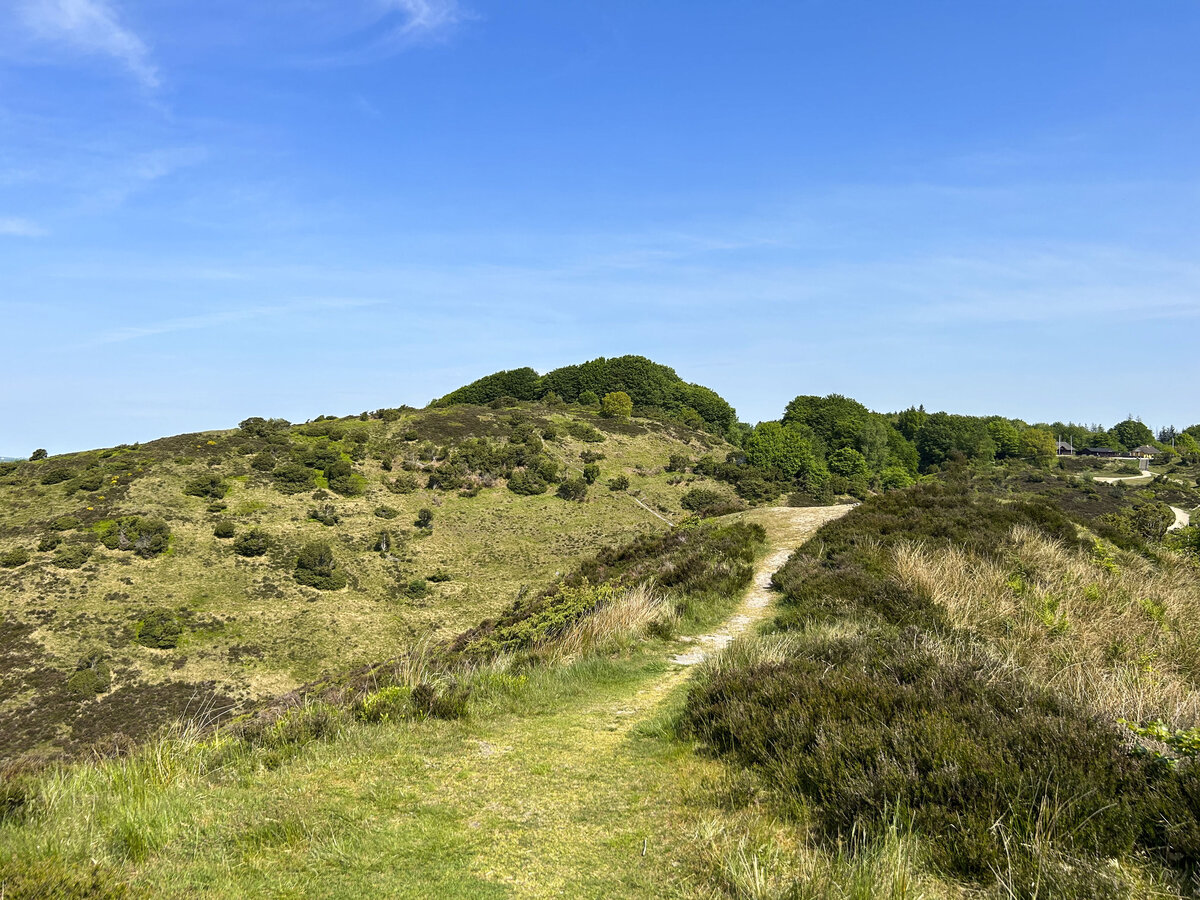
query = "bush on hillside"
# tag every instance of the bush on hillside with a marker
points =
(12, 559)
(317, 567)
(619, 483)
(293, 478)
(616, 405)
(37, 454)
(224, 529)
(71, 556)
(591, 472)
(678, 462)
(160, 628)
(48, 542)
(526, 483)
(92, 676)
(252, 543)
(589, 398)
(326, 515)
(573, 489)
(211, 486)
(424, 518)
(590, 456)
(386, 512)
(401, 484)
(136, 534)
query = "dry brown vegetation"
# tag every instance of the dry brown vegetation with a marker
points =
(1113, 631)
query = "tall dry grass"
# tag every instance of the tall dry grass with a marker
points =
(615, 625)
(1115, 632)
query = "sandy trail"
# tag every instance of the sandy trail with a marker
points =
(787, 528)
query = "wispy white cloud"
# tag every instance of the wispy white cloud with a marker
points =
(91, 26)
(420, 19)
(15, 227)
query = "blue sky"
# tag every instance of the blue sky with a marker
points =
(222, 209)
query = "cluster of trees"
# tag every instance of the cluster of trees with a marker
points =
(650, 387)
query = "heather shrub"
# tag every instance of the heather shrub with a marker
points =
(424, 518)
(224, 529)
(386, 512)
(591, 456)
(48, 542)
(584, 431)
(65, 523)
(591, 472)
(57, 475)
(619, 483)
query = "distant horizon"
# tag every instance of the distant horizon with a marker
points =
(210, 211)
(297, 418)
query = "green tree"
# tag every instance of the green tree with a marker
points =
(1188, 448)
(1006, 438)
(848, 463)
(616, 405)
(1038, 446)
(1131, 433)
(37, 454)
(786, 450)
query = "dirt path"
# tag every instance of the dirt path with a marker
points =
(1182, 519)
(787, 528)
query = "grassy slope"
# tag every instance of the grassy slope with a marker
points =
(253, 632)
(553, 787)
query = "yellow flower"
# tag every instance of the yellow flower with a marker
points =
(91, 507)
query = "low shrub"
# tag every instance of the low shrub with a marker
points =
(160, 628)
(619, 483)
(526, 483)
(224, 529)
(92, 676)
(317, 567)
(217, 507)
(591, 472)
(136, 534)
(448, 703)
(402, 484)
(441, 575)
(424, 518)
(12, 559)
(48, 543)
(979, 761)
(678, 462)
(71, 556)
(65, 523)
(573, 489)
(252, 543)
(584, 431)
(293, 478)
(326, 515)
(57, 475)
(386, 512)
(591, 456)
(212, 486)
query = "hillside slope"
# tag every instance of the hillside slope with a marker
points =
(107, 554)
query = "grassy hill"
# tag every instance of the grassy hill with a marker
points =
(123, 543)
